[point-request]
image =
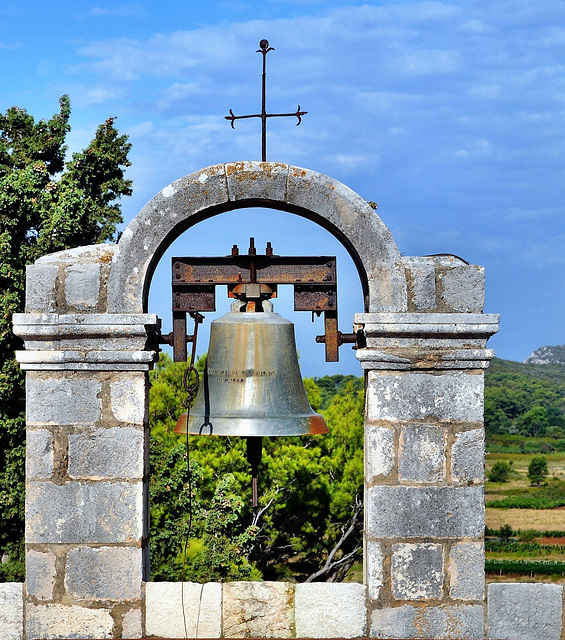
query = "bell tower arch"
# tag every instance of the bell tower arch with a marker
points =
(238, 185)
(89, 344)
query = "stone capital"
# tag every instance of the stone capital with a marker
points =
(417, 341)
(97, 342)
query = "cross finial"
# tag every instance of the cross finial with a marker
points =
(264, 49)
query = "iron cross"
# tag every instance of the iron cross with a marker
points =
(264, 48)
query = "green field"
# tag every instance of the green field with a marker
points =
(531, 545)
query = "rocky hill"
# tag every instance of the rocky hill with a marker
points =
(547, 355)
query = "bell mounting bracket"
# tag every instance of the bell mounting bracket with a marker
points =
(254, 277)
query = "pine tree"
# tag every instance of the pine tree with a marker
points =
(46, 204)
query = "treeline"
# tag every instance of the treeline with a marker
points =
(526, 400)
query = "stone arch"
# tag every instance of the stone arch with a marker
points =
(226, 187)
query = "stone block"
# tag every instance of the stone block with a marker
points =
(11, 611)
(428, 512)
(326, 610)
(421, 396)
(74, 512)
(417, 571)
(104, 573)
(462, 288)
(82, 285)
(523, 611)
(127, 398)
(467, 571)
(461, 622)
(131, 624)
(374, 570)
(107, 453)
(40, 574)
(423, 290)
(468, 457)
(422, 453)
(55, 621)
(256, 180)
(39, 454)
(62, 400)
(41, 287)
(258, 610)
(379, 452)
(202, 609)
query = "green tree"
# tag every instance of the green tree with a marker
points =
(500, 471)
(535, 421)
(46, 204)
(537, 470)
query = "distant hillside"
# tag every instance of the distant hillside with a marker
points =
(547, 355)
(525, 399)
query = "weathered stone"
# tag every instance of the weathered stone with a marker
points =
(252, 180)
(379, 452)
(39, 454)
(420, 396)
(374, 559)
(461, 622)
(432, 512)
(82, 286)
(523, 611)
(127, 398)
(41, 287)
(40, 574)
(59, 621)
(62, 400)
(463, 288)
(467, 571)
(258, 610)
(423, 290)
(202, 609)
(324, 610)
(107, 453)
(81, 513)
(131, 624)
(104, 573)
(422, 453)
(417, 571)
(11, 611)
(468, 457)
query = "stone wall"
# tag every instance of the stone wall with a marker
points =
(516, 611)
(89, 346)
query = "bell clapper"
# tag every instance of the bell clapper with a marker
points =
(254, 455)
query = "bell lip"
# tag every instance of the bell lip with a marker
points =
(251, 427)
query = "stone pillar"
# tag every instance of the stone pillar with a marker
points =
(424, 472)
(86, 529)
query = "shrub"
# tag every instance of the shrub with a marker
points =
(500, 471)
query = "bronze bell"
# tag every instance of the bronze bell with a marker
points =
(252, 385)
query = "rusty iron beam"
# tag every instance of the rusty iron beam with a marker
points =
(268, 270)
(179, 336)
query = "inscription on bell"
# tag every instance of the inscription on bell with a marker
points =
(234, 375)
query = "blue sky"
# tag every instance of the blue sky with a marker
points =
(449, 114)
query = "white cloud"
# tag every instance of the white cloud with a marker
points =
(128, 11)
